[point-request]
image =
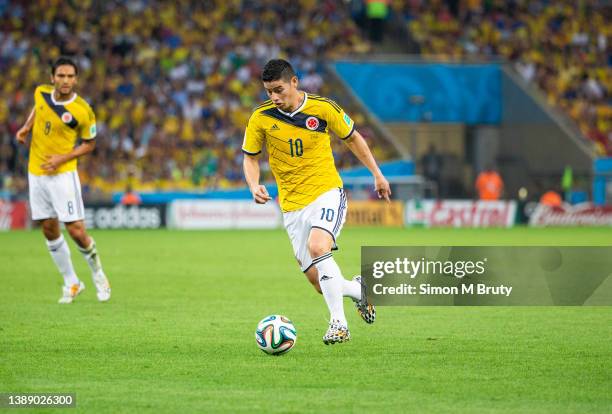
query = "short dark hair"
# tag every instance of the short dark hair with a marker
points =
(277, 69)
(63, 60)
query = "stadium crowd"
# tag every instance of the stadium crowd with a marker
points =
(562, 46)
(172, 83)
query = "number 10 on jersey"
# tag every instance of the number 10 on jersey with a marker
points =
(296, 146)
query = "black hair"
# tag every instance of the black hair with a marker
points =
(64, 61)
(277, 69)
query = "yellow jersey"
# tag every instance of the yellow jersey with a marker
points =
(299, 147)
(57, 126)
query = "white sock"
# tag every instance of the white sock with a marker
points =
(352, 289)
(331, 282)
(91, 256)
(61, 256)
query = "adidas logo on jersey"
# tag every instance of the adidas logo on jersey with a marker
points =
(274, 128)
(324, 277)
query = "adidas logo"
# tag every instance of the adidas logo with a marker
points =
(274, 128)
(324, 277)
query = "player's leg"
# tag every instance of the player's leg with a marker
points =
(60, 253)
(325, 216)
(298, 225)
(87, 247)
(354, 289)
(298, 230)
(68, 203)
(320, 244)
(312, 274)
(366, 310)
(328, 217)
(330, 277)
(42, 211)
(350, 288)
(85, 244)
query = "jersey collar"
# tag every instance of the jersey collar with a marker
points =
(74, 96)
(292, 114)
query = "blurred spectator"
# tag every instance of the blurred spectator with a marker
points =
(551, 198)
(567, 182)
(130, 197)
(431, 164)
(312, 82)
(489, 184)
(377, 12)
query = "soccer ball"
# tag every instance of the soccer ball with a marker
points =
(275, 335)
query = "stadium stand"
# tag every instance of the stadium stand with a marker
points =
(172, 83)
(563, 47)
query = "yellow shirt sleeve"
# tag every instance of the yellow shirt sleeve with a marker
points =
(88, 128)
(338, 121)
(253, 136)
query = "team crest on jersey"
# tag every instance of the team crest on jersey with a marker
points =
(312, 123)
(66, 117)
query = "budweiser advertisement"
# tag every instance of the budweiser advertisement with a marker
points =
(212, 214)
(13, 215)
(460, 213)
(585, 214)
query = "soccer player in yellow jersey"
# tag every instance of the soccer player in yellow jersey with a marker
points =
(295, 127)
(58, 119)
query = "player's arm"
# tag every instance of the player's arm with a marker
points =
(251, 147)
(54, 161)
(358, 146)
(23, 132)
(344, 127)
(252, 174)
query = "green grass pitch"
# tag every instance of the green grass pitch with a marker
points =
(178, 333)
